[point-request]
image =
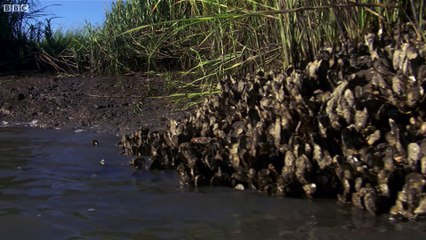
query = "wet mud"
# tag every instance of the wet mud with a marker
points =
(112, 104)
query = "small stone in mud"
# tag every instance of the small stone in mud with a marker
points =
(99, 106)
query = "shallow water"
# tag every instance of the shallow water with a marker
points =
(53, 187)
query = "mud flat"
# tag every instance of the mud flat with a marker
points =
(111, 104)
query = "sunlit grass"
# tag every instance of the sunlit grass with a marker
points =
(198, 42)
(207, 39)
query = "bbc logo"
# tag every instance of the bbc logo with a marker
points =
(16, 8)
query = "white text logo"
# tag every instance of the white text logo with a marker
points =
(16, 8)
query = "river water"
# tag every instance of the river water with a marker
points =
(52, 186)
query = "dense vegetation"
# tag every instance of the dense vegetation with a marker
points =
(204, 38)
(17, 38)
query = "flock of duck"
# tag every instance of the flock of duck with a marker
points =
(350, 125)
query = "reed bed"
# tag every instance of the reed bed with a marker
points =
(208, 39)
(203, 40)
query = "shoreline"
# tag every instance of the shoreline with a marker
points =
(118, 105)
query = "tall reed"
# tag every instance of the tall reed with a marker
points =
(204, 40)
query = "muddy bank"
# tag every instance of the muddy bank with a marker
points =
(113, 104)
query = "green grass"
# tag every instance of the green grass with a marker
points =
(206, 39)
(197, 42)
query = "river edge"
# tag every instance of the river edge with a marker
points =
(113, 104)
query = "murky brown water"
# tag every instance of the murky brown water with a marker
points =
(52, 187)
